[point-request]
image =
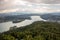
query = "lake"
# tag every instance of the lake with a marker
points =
(6, 25)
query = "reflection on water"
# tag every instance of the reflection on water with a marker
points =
(6, 25)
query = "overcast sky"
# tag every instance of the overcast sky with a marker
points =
(34, 6)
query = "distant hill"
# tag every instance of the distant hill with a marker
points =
(18, 16)
(15, 16)
(51, 16)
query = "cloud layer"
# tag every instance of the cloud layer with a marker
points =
(45, 1)
(34, 6)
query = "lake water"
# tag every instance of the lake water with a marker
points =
(6, 25)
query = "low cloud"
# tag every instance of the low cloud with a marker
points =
(9, 10)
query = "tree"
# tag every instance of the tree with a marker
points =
(38, 38)
(7, 37)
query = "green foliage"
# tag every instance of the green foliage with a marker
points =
(35, 31)
(38, 38)
(7, 37)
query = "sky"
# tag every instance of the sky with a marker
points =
(33, 6)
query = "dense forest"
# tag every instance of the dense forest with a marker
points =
(36, 31)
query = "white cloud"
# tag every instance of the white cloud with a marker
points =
(26, 6)
(9, 10)
(45, 1)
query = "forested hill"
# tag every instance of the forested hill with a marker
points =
(36, 31)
